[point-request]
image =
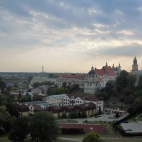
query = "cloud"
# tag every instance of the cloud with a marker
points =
(85, 30)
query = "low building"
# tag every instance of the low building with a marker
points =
(97, 78)
(30, 108)
(91, 82)
(37, 79)
(79, 100)
(55, 99)
(71, 79)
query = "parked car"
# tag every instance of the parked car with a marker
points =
(128, 129)
(125, 122)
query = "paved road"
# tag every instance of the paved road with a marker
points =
(104, 117)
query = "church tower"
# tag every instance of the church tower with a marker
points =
(134, 67)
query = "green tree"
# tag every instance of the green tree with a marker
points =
(19, 130)
(131, 79)
(73, 114)
(12, 110)
(140, 82)
(37, 98)
(6, 120)
(109, 85)
(122, 79)
(2, 85)
(92, 137)
(43, 127)
(30, 78)
(64, 85)
(83, 114)
(99, 110)
(3, 100)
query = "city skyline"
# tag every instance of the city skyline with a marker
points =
(69, 36)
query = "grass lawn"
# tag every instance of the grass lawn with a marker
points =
(140, 116)
(29, 140)
(123, 140)
(67, 121)
(132, 119)
(106, 138)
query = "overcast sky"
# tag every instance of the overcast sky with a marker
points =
(69, 35)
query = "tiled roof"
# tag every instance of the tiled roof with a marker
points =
(37, 107)
(92, 72)
(105, 69)
(109, 70)
(100, 72)
(72, 76)
(21, 107)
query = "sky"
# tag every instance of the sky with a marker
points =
(69, 35)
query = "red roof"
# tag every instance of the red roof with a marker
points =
(86, 127)
(100, 72)
(104, 70)
(109, 70)
(72, 76)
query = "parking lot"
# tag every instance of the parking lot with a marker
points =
(132, 127)
(103, 117)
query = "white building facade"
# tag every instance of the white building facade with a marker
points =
(71, 79)
(97, 78)
(91, 82)
(77, 100)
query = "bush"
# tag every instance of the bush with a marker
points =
(73, 115)
(1, 132)
(64, 115)
(84, 115)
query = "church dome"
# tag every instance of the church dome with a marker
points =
(92, 71)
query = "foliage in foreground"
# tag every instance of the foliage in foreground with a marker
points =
(92, 137)
(43, 127)
(19, 130)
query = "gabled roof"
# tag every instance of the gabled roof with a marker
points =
(37, 107)
(21, 107)
(100, 72)
(105, 70)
